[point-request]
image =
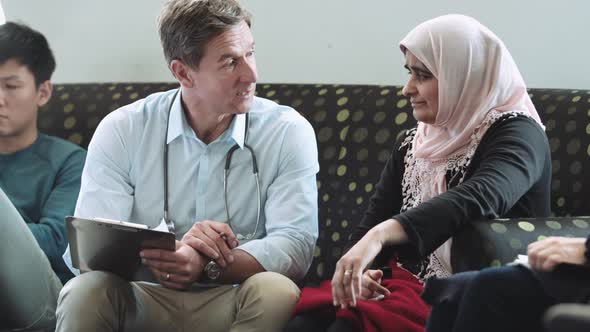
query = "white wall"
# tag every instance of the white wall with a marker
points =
(312, 41)
(2, 18)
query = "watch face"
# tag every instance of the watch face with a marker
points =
(213, 270)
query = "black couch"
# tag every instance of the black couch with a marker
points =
(356, 126)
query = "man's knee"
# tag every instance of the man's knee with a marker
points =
(273, 284)
(90, 292)
(271, 290)
(266, 300)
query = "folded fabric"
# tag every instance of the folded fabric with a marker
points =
(402, 311)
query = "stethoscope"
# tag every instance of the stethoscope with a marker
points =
(169, 222)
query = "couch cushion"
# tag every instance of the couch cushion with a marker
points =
(566, 115)
(497, 242)
(356, 126)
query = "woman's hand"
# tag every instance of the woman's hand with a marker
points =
(347, 280)
(371, 285)
(546, 254)
(348, 277)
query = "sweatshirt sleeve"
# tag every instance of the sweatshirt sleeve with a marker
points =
(50, 230)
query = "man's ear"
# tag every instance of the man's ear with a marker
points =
(44, 93)
(182, 71)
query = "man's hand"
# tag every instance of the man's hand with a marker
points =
(546, 254)
(175, 269)
(213, 239)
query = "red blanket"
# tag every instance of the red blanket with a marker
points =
(402, 311)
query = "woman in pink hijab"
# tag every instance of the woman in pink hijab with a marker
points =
(479, 151)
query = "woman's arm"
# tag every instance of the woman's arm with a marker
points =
(512, 157)
(365, 242)
(387, 198)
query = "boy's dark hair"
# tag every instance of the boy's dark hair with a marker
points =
(29, 47)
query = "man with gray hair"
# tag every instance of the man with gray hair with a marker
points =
(184, 159)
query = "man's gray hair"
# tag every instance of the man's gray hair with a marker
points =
(186, 26)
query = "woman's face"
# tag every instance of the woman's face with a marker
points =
(422, 89)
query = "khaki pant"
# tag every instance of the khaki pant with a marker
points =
(28, 286)
(101, 301)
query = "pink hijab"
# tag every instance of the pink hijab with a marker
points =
(478, 82)
(476, 74)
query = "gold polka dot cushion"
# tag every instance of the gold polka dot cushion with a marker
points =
(356, 126)
(566, 114)
(497, 242)
(75, 110)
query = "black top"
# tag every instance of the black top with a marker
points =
(509, 176)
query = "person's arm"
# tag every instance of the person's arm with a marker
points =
(291, 218)
(243, 267)
(291, 212)
(512, 159)
(50, 230)
(386, 201)
(106, 190)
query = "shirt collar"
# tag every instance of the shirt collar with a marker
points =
(177, 125)
(236, 129)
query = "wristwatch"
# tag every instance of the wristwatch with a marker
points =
(212, 271)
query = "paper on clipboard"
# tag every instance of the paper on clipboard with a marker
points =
(521, 260)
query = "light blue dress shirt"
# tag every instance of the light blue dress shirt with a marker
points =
(123, 177)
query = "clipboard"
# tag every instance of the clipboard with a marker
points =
(114, 246)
